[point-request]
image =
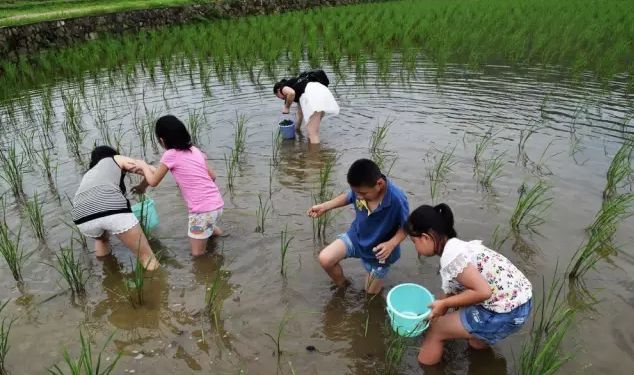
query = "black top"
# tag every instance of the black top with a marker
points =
(299, 85)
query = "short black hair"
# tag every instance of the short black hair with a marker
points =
(279, 85)
(173, 132)
(99, 153)
(364, 172)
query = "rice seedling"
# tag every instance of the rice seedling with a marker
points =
(141, 131)
(134, 283)
(12, 252)
(5, 330)
(599, 244)
(491, 170)
(525, 134)
(620, 169)
(384, 158)
(11, 171)
(240, 134)
(195, 121)
(542, 352)
(277, 340)
(482, 145)
(213, 302)
(531, 207)
(437, 173)
(324, 193)
(231, 165)
(85, 364)
(46, 164)
(35, 215)
(26, 144)
(276, 143)
(261, 213)
(285, 241)
(72, 270)
(77, 236)
(395, 348)
(498, 239)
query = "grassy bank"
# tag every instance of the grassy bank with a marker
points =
(22, 12)
(581, 35)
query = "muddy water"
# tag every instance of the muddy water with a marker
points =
(577, 130)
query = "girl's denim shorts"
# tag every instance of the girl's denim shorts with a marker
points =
(492, 327)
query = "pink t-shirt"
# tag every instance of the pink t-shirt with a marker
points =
(189, 169)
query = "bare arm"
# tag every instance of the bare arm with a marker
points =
(299, 116)
(336, 202)
(289, 97)
(153, 176)
(128, 164)
(383, 250)
(476, 290)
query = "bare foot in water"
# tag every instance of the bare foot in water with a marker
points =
(219, 232)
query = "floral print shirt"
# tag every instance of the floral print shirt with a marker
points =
(510, 288)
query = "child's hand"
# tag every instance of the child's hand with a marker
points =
(438, 308)
(317, 210)
(383, 250)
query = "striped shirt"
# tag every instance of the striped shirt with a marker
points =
(100, 193)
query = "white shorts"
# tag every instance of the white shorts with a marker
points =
(201, 225)
(317, 98)
(113, 224)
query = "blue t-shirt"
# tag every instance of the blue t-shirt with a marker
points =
(372, 228)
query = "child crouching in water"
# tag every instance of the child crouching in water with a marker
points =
(494, 297)
(194, 178)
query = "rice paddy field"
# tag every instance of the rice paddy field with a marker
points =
(516, 114)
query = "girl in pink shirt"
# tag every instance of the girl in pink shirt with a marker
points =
(194, 178)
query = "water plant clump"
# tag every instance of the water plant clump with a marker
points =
(395, 348)
(213, 302)
(12, 252)
(261, 213)
(11, 171)
(135, 282)
(285, 242)
(531, 207)
(443, 164)
(85, 364)
(72, 270)
(379, 153)
(620, 170)
(490, 170)
(33, 208)
(5, 329)
(324, 194)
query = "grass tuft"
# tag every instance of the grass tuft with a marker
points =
(531, 207)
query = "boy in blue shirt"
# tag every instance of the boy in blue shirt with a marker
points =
(381, 211)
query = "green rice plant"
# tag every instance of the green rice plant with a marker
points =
(72, 270)
(77, 236)
(26, 144)
(231, 164)
(134, 283)
(35, 215)
(437, 173)
(5, 329)
(213, 302)
(12, 252)
(276, 143)
(261, 213)
(85, 364)
(482, 145)
(285, 242)
(531, 207)
(498, 239)
(72, 127)
(277, 340)
(525, 134)
(491, 170)
(195, 121)
(599, 244)
(395, 348)
(142, 132)
(542, 352)
(240, 134)
(384, 158)
(11, 171)
(324, 194)
(46, 164)
(620, 169)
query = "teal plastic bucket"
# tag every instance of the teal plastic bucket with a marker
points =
(407, 306)
(146, 212)
(287, 128)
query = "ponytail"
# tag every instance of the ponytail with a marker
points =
(436, 221)
(446, 215)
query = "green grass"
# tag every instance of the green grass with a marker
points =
(213, 302)
(379, 153)
(542, 352)
(85, 364)
(72, 270)
(395, 348)
(134, 283)
(5, 329)
(596, 39)
(33, 208)
(531, 207)
(489, 170)
(443, 163)
(21, 12)
(620, 170)
(12, 252)
(12, 171)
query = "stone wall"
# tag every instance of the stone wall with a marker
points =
(28, 39)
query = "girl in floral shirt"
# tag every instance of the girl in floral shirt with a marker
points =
(494, 296)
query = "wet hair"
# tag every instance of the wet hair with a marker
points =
(364, 172)
(173, 132)
(101, 152)
(279, 85)
(436, 221)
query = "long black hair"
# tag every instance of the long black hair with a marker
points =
(101, 152)
(173, 133)
(279, 85)
(435, 221)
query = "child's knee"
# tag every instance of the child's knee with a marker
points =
(326, 260)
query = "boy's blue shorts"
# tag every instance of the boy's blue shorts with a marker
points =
(376, 270)
(492, 327)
